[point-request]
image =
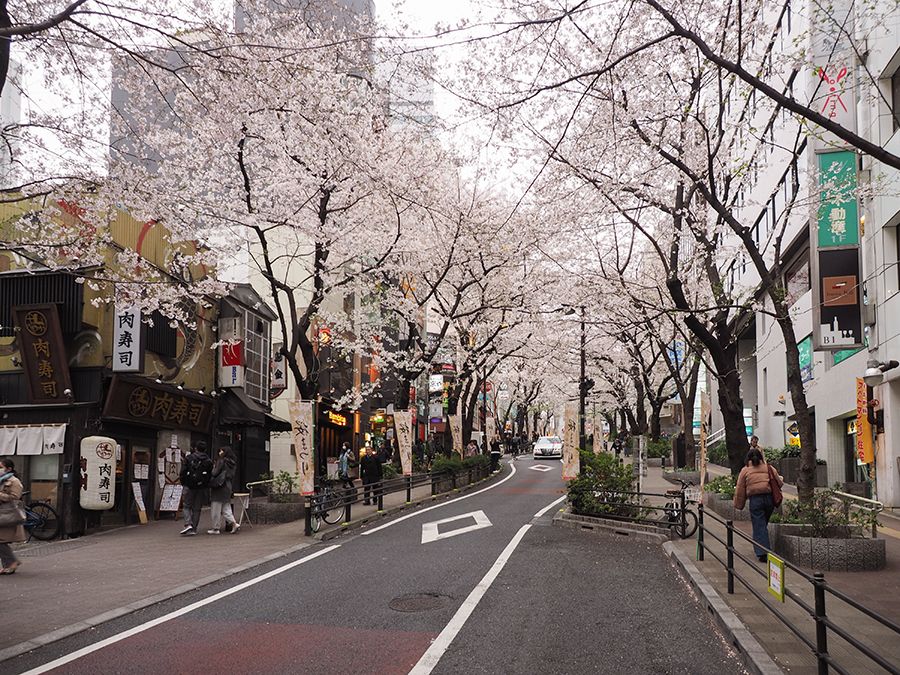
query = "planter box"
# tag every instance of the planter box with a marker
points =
(686, 476)
(789, 469)
(724, 506)
(272, 513)
(654, 461)
(843, 550)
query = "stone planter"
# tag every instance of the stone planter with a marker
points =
(654, 461)
(272, 513)
(724, 506)
(686, 476)
(843, 550)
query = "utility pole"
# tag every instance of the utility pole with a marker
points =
(582, 385)
(484, 408)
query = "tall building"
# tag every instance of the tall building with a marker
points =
(10, 115)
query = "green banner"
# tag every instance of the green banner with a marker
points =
(805, 347)
(838, 217)
(844, 354)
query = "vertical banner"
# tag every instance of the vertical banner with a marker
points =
(865, 451)
(598, 434)
(97, 469)
(128, 343)
(231, 352)
(704, 415)
(301, 413)
(456, 433)
(571, 460)
(43, 353)
(403, 427)
(490, 425)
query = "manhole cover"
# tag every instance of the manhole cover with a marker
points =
(418, 602)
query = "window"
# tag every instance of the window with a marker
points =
(895, 98)
(256, 370)
(796, 278)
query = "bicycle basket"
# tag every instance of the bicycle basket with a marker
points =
(692, 494)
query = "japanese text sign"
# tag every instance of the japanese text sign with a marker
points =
(301, 414)
(838, 217)
(128, 348)
(43, 352)
(143, 401)
(97, 472)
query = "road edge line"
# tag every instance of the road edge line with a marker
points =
(442, 642)
(755, 658)
(549, 506)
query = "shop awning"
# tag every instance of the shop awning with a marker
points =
(239, 409)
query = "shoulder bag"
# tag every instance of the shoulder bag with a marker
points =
(777, 497)
(12, 513)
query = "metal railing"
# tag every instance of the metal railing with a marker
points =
(821, 590)
(635, 507)
(335, 495)
(872, 506)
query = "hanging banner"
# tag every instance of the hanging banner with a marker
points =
(54, 439)
(456, 432)
(231, 352)
(43, 353)
(403, 424)
(128, 342)
(301, 413)
(8, 440)
(598, 434)
(571, 461)
(30, 440)
(865, 451)
(97, 467)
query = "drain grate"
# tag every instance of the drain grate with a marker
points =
(418, 602)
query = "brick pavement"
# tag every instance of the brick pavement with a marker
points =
(879, 591)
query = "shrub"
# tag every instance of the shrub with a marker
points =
(658, 449)
(723, 485)
(477, 461)
(388, 471)
(603, 479)
(717, 453)
(282, 486)
(444, 464)
(822, 512)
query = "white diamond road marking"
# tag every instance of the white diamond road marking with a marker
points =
(430, 530)
(541, 467)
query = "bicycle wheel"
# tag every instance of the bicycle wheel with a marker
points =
(690, 524)
(315, 522)
(43, 522)
(332, 508)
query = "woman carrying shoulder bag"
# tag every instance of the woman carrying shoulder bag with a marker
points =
(10, 510)
(762, 485)
(220, 486)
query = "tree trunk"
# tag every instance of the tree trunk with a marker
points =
(687, 421)
(655, 424)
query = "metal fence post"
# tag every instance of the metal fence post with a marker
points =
(347, 501)
(408, 489)
(681, 514)
(453, 479)
(729, 525)
(821, 628)
(380, 496)
(700, 532)
(307, 518)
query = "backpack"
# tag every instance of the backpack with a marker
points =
(197, 469)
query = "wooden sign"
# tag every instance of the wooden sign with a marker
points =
(143, 401)
(43, 353)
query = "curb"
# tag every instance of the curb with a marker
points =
(327, 535)
(755, 658)
(591, 524)
(94, 621)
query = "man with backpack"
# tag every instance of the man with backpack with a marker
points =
(195, 474)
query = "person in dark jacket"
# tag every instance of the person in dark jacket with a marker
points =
(221, 483)
(370, 468)
(195, 472)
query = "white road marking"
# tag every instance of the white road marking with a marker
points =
(68, 658)
(540, 467)
(437, 506)
(437, 649)
(549, 506)
(430, 530)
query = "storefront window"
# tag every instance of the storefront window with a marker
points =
(43, 473)
(257, 370)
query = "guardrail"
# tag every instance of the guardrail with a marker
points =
(870, 505)
(821, 591)
(332, 495)
(634, 507)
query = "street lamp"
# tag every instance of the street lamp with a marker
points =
(585, 384)
(875, 371)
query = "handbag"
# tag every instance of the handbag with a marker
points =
(12, 513)
(777, 497)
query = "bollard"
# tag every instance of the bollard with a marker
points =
(408, 489)
(821, 628)
(453, 479)
(307, 518)
(729, 525)
(700, 532)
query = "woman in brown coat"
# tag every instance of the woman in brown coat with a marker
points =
(753, 483)
(10, 490)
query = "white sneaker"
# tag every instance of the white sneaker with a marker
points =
(186, 530)
(191, 533)
(213, 532)
(235, 528)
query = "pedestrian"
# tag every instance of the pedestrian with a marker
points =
(221, 482)
(754, 483)
(495, 457)
(472, 448)
(345, 461)
(10, 499)
(195, 475)
(370, 466)
(495, 446)
(617, 446)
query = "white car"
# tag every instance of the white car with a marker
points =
(547, 447)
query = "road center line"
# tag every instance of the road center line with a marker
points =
(437, 506)
(431, 657)
(549, 506)
(68, 658)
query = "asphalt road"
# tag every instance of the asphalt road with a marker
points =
(509, 593)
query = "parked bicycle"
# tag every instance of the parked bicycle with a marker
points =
(328, 505)
(684, 524)
(41, 519)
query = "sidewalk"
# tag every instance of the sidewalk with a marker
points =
(879, 591)
(64, 587)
